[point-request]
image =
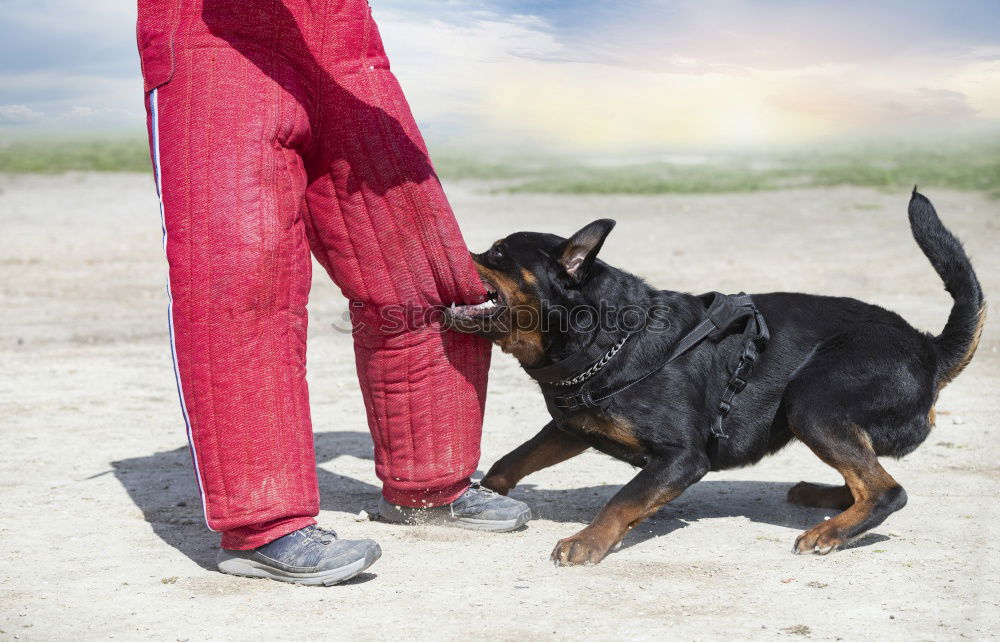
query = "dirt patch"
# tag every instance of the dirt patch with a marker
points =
(98, 506)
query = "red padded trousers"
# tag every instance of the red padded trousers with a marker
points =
(276, 127)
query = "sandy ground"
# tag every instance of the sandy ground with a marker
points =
(100, 526)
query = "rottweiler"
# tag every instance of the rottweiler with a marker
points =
(624, 369)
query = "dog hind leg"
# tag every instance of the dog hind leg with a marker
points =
(820, 496)
(876, 494)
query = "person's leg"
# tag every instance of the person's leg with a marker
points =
(380, 224)
(224, 139)
(222, 136)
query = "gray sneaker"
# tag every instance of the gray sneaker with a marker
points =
(311, 555)
(478, 509)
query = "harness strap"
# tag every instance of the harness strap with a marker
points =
(722, 313)
(735, 385)
(585, 399)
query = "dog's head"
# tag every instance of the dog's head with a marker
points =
(534, 282)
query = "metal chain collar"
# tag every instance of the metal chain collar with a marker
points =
(592, 370)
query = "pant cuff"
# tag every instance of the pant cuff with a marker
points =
(248, 537)
(425, 498)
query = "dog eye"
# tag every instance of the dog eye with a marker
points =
(496, 252)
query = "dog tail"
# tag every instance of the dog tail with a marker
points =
(958, 341)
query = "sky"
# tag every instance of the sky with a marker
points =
(583, 74)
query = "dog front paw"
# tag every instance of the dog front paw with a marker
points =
(822, 539)
(582, 548)
(497, 484)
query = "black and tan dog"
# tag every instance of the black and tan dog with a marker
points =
(851, 380)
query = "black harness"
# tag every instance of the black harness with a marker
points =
(724, 311)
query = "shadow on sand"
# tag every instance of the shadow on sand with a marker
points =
(759, 501)
(162, 485)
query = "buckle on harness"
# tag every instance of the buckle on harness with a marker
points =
(741, 375)
(716, 428)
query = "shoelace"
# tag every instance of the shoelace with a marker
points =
(482, 492)
(321, 535)
(483, 489)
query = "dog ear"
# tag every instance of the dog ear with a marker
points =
(578, 253)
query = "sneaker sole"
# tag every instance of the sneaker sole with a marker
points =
(469, 523)
(233, 565)
(493, 525)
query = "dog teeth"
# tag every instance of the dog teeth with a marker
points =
(485, 305)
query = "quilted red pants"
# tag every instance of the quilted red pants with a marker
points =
(276, 127)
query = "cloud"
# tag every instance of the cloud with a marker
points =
(99, 116)
(586, 74)
(939, 104)
(18, 114)
(108, 102)
(598, 75)
(448, 67)
(97, 36)
(846, 109)
(681, 35)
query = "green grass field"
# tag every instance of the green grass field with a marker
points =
(970, 165)
(964, 165)
(55, 155)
